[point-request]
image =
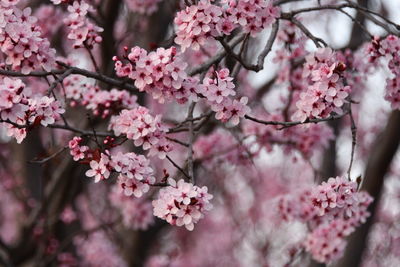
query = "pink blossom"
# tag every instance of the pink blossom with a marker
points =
(146, 131)
(326, 92)
(182, 204)
(82, 31)
(76, 150)
(160, 73)
(326, 243)
(129, 186)
(45, 109)
(389, 48)
(99, 169)
(21, 41)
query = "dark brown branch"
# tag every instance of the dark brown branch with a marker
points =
(317, 41)
(191, 139)
(44, 160)
(261, 58)
(286, 124)
(100, 77)
(353, 140)
(218, 57)
(74, 70)
(59, 79)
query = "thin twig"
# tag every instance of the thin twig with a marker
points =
(96, 67)
(122, 84)
(358, 23)
(94, 131)
(177, 166)
(44, 160)
(218, 57)
(178, 141)
(317, 41)
(294, 123)
(353, 140)
(191, 139)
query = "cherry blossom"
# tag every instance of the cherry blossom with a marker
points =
(327, 92)
(82, 31)
(146, 131)
(21, 40)
(388, 48)
(129, 186)
(332, 210)
(199, 23)
(99, 170)
(231, 110)
(132, 166)
(102, 103)
(77, 151)
(21, 107)
(217, 91)
(160, 73)
(182, 204)
(326, 243)
(68, 215)
(45, 110)
(133, 112)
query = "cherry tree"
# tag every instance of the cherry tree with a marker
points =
(199, 133)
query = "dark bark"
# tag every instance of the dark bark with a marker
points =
(381, 156)
(110, 12)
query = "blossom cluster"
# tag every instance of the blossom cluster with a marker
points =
(145, 7)
(182, 203)
(81, 30)
(77, 151)
(338, 198)
(217, 91)
(45, 110)
(326, 243)
(146, 130)
(205, 20)
(161, 73)
(100, 168)
(135, 173)
(103, 103)
(19, 108)
(389, 48)
(332, 210)
(21, 40)
(327, 91)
